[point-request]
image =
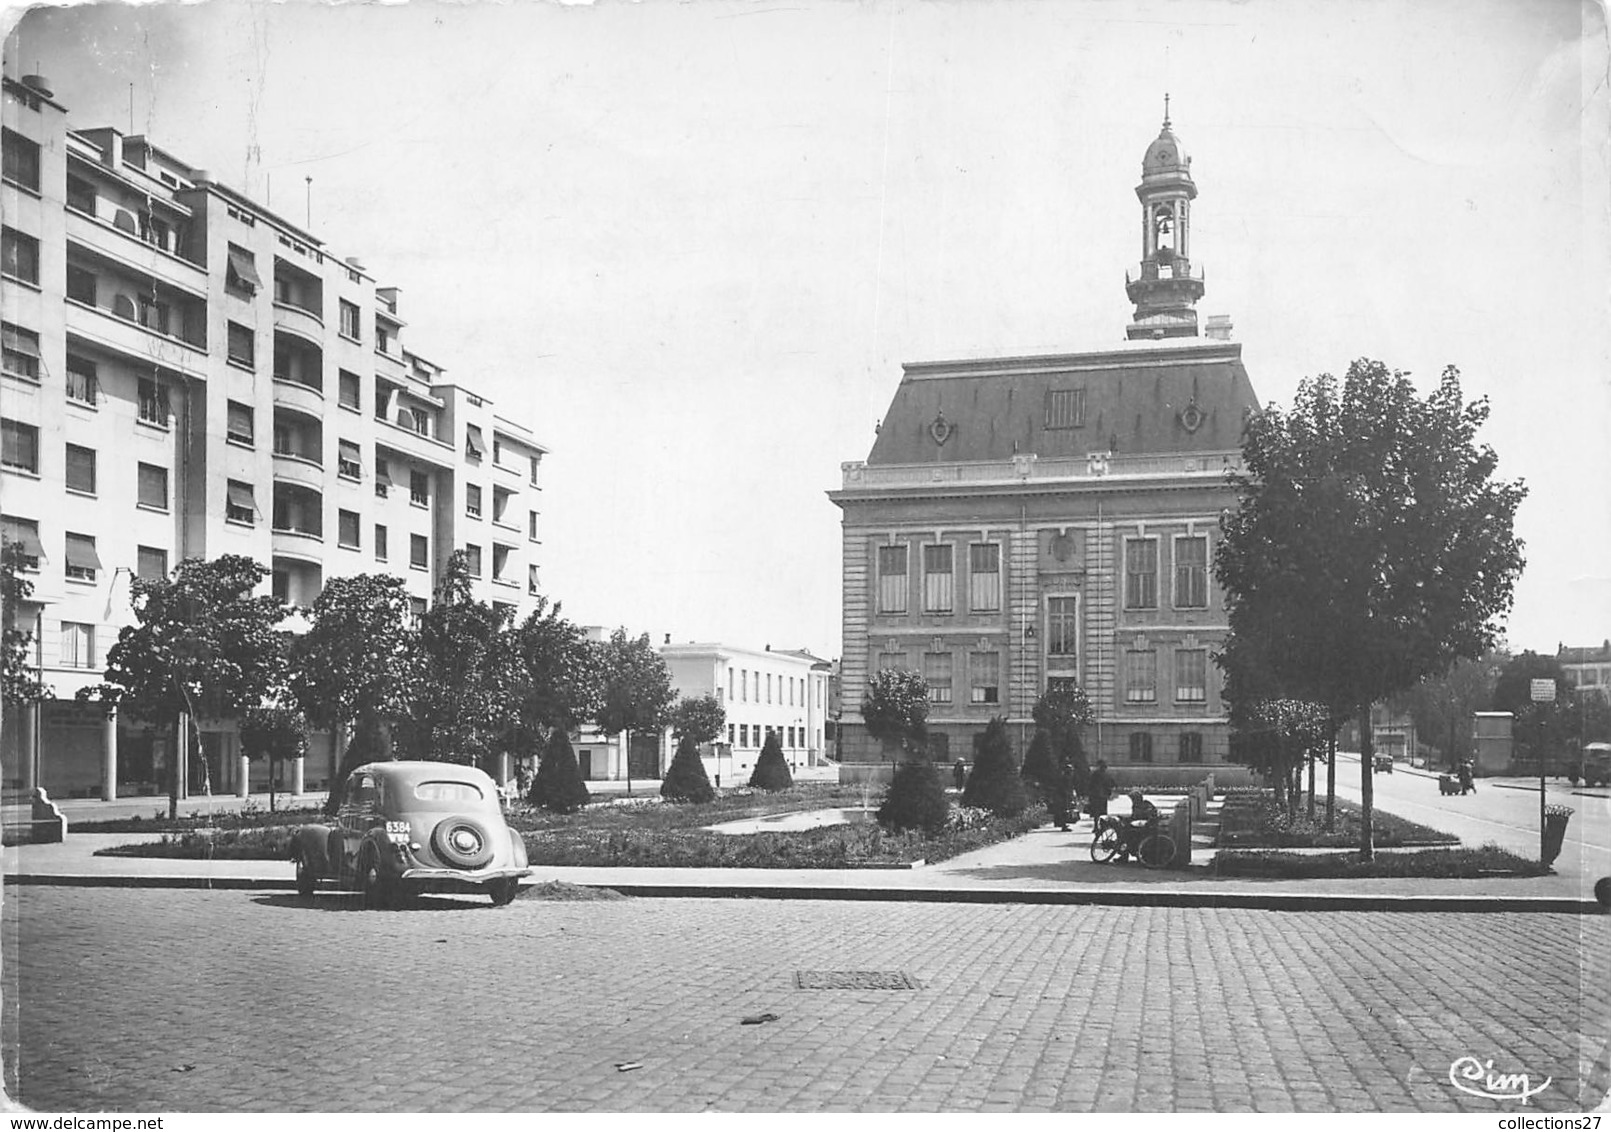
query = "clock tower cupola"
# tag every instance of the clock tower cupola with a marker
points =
(1166, 292)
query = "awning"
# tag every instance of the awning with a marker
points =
(24, 534)
(240, 495)
(383, 473)
(81, 553)
(244, 270)
(349, 449)
(16, 340)
(474, 446)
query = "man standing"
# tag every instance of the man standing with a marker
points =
(1101, 788)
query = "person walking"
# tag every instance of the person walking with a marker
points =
(1101, 788)
(1467, 786)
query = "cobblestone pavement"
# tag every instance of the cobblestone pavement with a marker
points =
(201, 1001)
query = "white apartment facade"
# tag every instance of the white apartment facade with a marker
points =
(187, 374)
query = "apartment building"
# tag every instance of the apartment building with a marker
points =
(763, 691)
(1587, 667)
(1022, 522)
(189, 374)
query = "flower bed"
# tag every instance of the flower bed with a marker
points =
(1254, 821)
(259, 843)
(1486, 861)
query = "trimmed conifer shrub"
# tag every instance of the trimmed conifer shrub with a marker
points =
(558, 785)
(1039, 766)
(994, 784)
(771, 770)
(686, 780)
(1047, 773)
(915, 800)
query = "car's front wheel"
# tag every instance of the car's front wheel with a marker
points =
(503, 891)
(306, 878)
(373, 886)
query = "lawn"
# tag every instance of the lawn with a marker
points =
(1253, 820)
(1485, 861)
(639, 832)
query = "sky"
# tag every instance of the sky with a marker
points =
(691, 244)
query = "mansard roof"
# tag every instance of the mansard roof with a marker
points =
(1138, 397)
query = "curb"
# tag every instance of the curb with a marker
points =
(1123, 898)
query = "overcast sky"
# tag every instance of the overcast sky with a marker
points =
(692, 243)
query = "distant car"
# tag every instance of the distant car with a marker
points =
(409, 827)
(1383, 763)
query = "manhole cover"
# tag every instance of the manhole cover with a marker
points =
(855, 980)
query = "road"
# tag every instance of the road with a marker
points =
(195, 1001)
(1503, 811)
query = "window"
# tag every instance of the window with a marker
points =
(349, 320)
(744, 685)
(1065, 408)
(82, 561)
(152, 483)
(937, 579)
(984, 674)
(532, 584)
(348, 389)
(1191, 747)
(153, 398)
(1140, 747)
(1140, 676)
(743, 735)
(151, 563)
(768, 687)
(890, 660)
(240, 273)
(419, 489)
(500, 504)
(416, 612)
(1191, 572)
(472, 501)
(383, 339)
(892, 579)
(347, 529)
(77, 649)
(80, 195)
(473, 444)
(349, 461)
(19, 446)
(1062, 626)
(239, 506)
(1141, 573)
(19, 256)
(380, 542)
(497, 451)
(1191, 676)
(82, 384)
(238, 426)
(383, 477)
(984, 577)
(20, 352)
(81, 285)
(25, 533)
(154, 314)
(500, 562)
(81, 469)
(535, 461)
(419, 552)
(19, 160)
(531, 526)
(242, 345)
(937, 674)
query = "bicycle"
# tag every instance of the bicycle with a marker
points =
(1154, 849)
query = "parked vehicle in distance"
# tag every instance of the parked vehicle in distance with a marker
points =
(411, 827)
(1594, 768)
(1383, 764)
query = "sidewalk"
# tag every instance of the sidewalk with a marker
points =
(1046, 866)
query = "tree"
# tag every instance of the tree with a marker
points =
(558, 673)
(915, 799)
(18, 683)
(275, 733)
(1441, 706)
(686, 780)
(1063, 711)
(896, 710)
(201, 646)
(462, 710)
(1371, 546)
(637, 693)
(1555, 729)
(994, 784)
(771, 770)
(700, 718)
(558, 784)
(357, 666)
(1047, 775)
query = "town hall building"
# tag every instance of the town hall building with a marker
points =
(1026, 521)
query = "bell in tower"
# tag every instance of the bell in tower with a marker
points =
(1166, 292)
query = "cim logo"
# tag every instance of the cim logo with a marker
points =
(1478, 1079)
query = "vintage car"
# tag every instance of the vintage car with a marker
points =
(1382, 764)
(409, 827)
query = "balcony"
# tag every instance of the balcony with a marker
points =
(295, 395)
(404, 440)
(129, 251)
(303, 546)
(128, 338)
(292, 468)
(303, 323)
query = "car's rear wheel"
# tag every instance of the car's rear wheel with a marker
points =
(503, 891)
(462, 843)
(373, 885)
(306, 878)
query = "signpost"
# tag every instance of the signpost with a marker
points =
(1543, 692)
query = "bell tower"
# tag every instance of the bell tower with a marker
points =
(1166, 291)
